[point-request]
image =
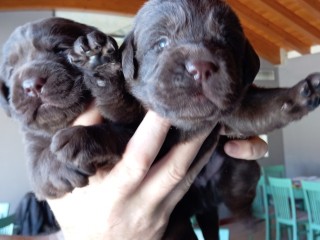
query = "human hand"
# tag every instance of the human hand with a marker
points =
(135, 199)
(249, 149)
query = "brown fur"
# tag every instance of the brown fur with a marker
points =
(156, 73)
(191, 62)
(51, 71)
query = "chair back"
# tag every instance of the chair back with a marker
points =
(277, 171)
(7, 225)
(283, 199)
(6, 222)
(224, 233)
(4, 209)
(311, 192)
(260, 202)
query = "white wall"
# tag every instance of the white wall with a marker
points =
(14, 182)
(301, 139)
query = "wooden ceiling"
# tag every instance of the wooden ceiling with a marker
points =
(274, 27)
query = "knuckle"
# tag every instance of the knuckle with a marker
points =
(176, 174)
(187, 182)
(136, 168)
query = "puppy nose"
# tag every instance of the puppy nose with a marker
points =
(32, 87)
(201, 70)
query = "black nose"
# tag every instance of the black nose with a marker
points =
(201, 70)
(33, 86)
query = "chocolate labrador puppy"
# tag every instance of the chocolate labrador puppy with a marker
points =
(191, 62)
(198, 75)
(51, 71)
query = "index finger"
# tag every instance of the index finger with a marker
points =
(141, 151)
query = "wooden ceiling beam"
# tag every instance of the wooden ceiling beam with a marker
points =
(265, 49)
(312, 7)
(314, 4)
(292, 19)
(118, 6)
(287, 41)
(268, 38)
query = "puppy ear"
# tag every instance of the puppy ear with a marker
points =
(4, 97)
(251, 64)
(129, 62)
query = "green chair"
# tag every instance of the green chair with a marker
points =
(223, 234)
(4, 209)
(7, 225)
(277, 171)
(6, 222)
(286, 214)
(311, 192)
(261, 208)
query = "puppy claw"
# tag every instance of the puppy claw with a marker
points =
(90, 53)
(305, 90)
(71, 148)
(306, 95)
(93, 50)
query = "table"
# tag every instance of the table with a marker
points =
(296, 185)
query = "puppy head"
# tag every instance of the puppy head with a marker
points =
(39, 87)
(188, 60)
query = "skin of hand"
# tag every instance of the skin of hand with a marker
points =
(135, 198)
(249, 149)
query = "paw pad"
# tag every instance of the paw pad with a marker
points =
(311, 90)
(93, 50)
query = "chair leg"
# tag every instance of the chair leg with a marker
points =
(278, 231)
(267, 229)
(295, 232)
(310, 233)
(289, 232)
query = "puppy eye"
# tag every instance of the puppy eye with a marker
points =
(161, 44)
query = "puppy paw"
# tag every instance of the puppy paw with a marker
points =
(93, 50)
(57, 179)
(306, 95)
(72, 147)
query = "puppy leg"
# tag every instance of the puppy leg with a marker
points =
(51, 178)
(209, 224)
(97, 55)
(237, 185)
(179, 228)
(91, 147)
(263, 110)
